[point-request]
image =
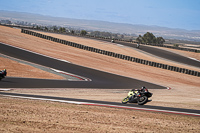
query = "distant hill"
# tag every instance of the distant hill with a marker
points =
(167, 33)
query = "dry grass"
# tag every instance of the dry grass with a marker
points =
(16, 69)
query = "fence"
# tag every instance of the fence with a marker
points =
(116, 55)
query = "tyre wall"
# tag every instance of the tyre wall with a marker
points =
(115, 55)
(106, 38)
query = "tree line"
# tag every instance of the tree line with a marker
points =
(149, 38)
(110, 35)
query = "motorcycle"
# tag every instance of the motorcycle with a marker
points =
(138, 46)
(3, 73)
(137, 96)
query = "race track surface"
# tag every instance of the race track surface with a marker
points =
(165, 54)
(99, 79)
(190, 112)
(161, 53)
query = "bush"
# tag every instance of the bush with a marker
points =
(176, 45)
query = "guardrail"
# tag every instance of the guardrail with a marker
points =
(105, 38)
(113, 54)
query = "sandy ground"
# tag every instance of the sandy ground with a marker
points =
(181, 85)
(15, 69)
(17, 115)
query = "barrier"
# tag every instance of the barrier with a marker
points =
(90, 36)
(112, 54)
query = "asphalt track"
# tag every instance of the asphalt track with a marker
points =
(160, 53)
(99, 79)
(190, 112)
(164, 54)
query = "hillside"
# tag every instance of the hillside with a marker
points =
(165, 32)
(112, 65)
(24, 115)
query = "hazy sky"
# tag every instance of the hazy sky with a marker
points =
(184, 14)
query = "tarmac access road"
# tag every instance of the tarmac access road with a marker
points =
(98, 78)
(166, 54)
(171, 110)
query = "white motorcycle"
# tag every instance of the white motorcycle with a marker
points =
(3, 73)
(138, 45)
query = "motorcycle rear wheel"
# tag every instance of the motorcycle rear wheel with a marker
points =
(142, 100)
(125, 100)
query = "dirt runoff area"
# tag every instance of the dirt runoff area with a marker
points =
(19, 115)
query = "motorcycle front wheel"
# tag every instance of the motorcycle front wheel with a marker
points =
(125, 100)
(142, 100)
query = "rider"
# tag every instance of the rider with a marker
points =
(134, 92)
(138, 45)
(3, 72)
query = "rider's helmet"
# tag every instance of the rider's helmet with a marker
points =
(143, 87)
(4, 72)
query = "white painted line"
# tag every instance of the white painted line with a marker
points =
(64, 60)
(45, 99)
(72, 75)
(76, 76)
(194, 59)
(120, 45)
(108, 105)
(4, 89)
(144, 109)
(36, 53)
